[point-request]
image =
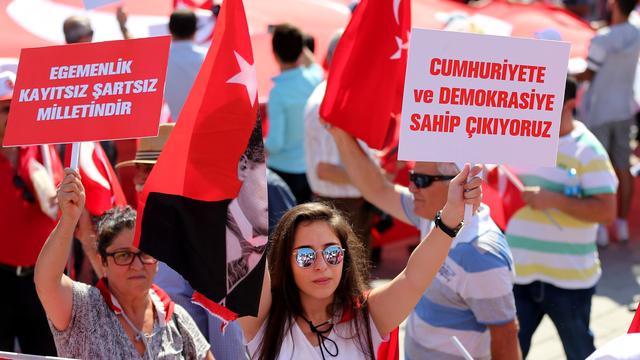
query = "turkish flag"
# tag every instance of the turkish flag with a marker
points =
(101, 185)
(635, 323)
(188, 217)
(367, 72)
(503, 202)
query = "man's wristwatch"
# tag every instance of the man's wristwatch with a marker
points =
(447, 230)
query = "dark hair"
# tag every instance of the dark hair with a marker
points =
(309, 42)
(111, 224)
(349, 295)
(255, 148)
(182, 23)
(570, 89)
(287, 42)
(75, 28)
(626, 6)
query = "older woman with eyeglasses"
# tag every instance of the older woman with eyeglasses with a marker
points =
(125, 316)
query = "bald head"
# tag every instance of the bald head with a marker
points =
(77, 29)
(436, 168)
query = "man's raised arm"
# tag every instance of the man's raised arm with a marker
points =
(367, 176)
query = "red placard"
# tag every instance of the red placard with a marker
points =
(88, 92)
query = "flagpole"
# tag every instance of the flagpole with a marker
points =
(461, 348)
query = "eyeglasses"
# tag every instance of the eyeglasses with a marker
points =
(125, 257)
(306, 256)
(27, 195)
(422, 181)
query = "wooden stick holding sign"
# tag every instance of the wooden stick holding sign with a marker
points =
(486, 99)
(75, 155)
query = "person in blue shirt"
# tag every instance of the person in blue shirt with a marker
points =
(299, 75)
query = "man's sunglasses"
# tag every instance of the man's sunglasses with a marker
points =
(306, 256)
(422, 181)
(125, 257)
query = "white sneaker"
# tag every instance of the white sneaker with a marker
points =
(602, 237)
(622, 230)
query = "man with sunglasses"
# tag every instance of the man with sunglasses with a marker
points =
(24, 229)
(471, 297)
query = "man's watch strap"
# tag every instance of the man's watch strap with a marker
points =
(447, 230)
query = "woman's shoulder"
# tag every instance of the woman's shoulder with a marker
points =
(85, 295)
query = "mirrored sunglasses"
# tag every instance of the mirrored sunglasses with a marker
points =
(306, 256)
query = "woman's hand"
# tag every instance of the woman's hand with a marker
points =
(462, 192)
(71, 196)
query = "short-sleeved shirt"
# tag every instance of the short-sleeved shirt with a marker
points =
(95, 333)
(287, 101)
(295, 344)
(566, 257)
(320, 147)
(473, 289)
(613, 55)
(185, 59)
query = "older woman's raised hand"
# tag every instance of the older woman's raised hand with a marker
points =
(461, 192)
(71, 195)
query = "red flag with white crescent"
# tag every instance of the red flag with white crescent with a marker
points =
(189, 217)
(366, 77)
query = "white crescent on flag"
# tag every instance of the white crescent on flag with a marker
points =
(396, 8)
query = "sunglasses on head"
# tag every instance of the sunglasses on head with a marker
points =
(422, 181)
(306, 256)
(126, 257)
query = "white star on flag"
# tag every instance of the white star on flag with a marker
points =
(401, 46)
(246, 77)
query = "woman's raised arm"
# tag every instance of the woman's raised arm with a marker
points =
(391, 303)
(53, 287)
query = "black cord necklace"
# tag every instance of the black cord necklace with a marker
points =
(322, 339)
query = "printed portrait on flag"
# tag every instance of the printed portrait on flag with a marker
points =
(204, 205)
(247, 215)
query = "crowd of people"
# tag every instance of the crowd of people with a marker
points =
(308, 196)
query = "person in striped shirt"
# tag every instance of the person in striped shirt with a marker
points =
(471, 296)
(555, 254)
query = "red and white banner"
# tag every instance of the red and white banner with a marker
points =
(88, 92)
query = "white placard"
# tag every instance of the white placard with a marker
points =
(482, 99)
(94, 4)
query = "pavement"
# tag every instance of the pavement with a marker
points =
(610, 316)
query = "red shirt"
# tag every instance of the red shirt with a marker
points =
(23, 226)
